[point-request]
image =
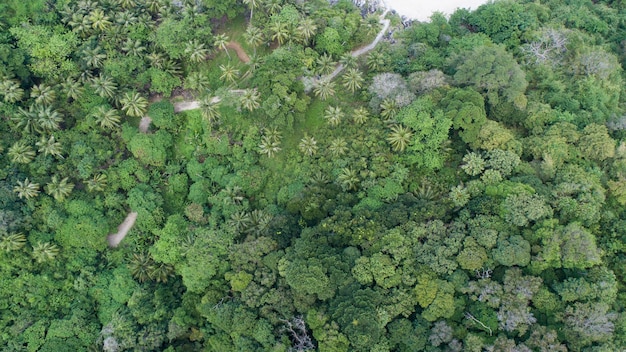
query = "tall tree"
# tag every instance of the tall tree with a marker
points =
(352, 79)
(133, 104)
(221, 41)
(59, 189)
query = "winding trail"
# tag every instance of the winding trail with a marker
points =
(241, 54)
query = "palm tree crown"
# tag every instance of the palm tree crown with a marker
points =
(308, 145)
(21, 153)
(324, 89)
(26, 189)
(333, 115)
(400, 137)
(353, 79)
(133, 104)
(59, 189)
(250, 99)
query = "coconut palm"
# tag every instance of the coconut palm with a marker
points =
(156, 59)
(97, 183)
(26, 189)
(348, 179)
(233, 195)
(259, 222)
(43, 252)
(229, 73)
(221, 41)
(59, 189)
(272, 6)
(375, 61)
(72, 88)
(49, 146)
(196, 52)
(333, 115)
(133, 47)
(307, 29)
(254, 37)
(352, 79)
(308, 145)
(324, 89)
(104, 86)
(197, 81)
(156, 7)
(128, 4)
(80, 24)
(11, 91)
(269, 146)
(43, 94)
(133, 104)
(47, 118)
(280, 31)
(388, 109)
(21, 153)
(250, 99)
(141, 266)
(12, 242)
(360, 115)
(107, 117)
(94, 58)
(209, 108)
(400, 137)
(325, 64)
(125, 18)
(338, 147)
(347, 60)
(162, 272)
(252, 4)
(172, 67)
(27, 120)
(272, 133)
(239, 221)
(99, 20)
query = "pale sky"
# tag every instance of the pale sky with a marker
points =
(422, 9)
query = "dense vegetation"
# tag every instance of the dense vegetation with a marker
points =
(462, 187)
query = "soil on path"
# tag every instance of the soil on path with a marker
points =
(115, 238)
(241, 54)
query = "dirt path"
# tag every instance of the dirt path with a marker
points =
(115, 238)
(241, 54)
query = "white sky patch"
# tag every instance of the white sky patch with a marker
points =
(422, 9)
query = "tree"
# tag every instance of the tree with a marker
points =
(141, 266)
(308, 145)
(21, 153)
(196, 52)
(473, 164)
(307, 29)
(72, 88)
(11, 91)
(221, 41)
(104, 86)
(389, 109)
(375, 61)
(348, 179)
(49, 146)
(520, 209)
(107, 117)
(133, 104)
(97, 183)
(59, 189)
(43, 94)
(250, 99)
(43, 252)
(338, 147)
(333, 115)
(99, 20)
(279, 31)
(26, 189)
(198, 82)
(589, 322)
(269, 146)
(48, 119)
(348, 61)
(324, 89)
(360, 115)
(94, 57)
(325, 64)
(595, 143)
(12, 242)
(133, 47)
(400, 137)
(254, 37)
(352, 79)
(209, 108)
(252, 4)
(229, 73)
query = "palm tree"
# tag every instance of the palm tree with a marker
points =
(389, 109)
(59, 189)
(21, 153)
(94, 58)
(162, 272)
(308, 145)
(250, 99)
(347, 60)
(307, 29)
(375, 61)
(360, 115)
(128, 4)
(133, 104)
(80, 24)
(12, 242)
(27, 120)
(269, 146)
(172, 67)
(106, 117)
(348, 179)
(196, 51)
(221, 41)
(272, 133)
(353, 79)
(239, 221)
(259, 222)
(334, 115)
(197, 81)
(133, 47)
(279, 31)
(49, 146)
(43, 94)
(254, 37)
(72, 88)
(209, 108)
(325, 64)
(104, 86)
(229, 73)
(141, 266)
(97, 183)
(43, 252)
(125, 18)
(99, 20)
(48, 119)
(273, 6)
(157, 60)
(324, 89)
(252, 4)
(11, 91)
(155, 7)
(400, 137)
(338, 147)
(26, 189)
(233, 195)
